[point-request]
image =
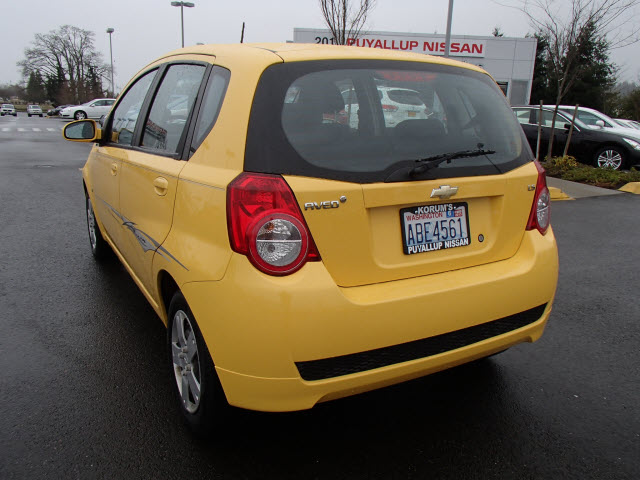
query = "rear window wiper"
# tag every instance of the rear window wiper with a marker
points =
(428, 163)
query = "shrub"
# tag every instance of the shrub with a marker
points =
(567, 168)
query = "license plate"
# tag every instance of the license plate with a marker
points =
(428, 228)
(412, 114)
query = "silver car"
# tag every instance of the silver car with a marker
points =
(34, 110)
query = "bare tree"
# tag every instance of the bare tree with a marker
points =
(70, 52)
(566, 23)
(344, 18)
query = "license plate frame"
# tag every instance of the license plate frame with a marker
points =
(414, 240)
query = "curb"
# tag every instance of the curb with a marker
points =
(631, 187)
(557, 194)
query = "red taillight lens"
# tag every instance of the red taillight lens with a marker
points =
(540, 215)
(389, 108)
(266, 225)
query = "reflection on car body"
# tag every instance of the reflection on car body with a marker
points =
(600, 147)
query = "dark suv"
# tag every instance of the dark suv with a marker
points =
(594, 147)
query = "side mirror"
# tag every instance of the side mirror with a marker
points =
(567, 126)
(81, 131)
(600, 123)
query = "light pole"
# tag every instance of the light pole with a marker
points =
(447, 41)
(182, 5)
(113, 88)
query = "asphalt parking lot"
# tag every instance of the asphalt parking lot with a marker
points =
(85, 392)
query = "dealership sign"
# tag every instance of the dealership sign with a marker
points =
(432, 45)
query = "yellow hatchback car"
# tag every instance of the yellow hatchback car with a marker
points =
(302, 239)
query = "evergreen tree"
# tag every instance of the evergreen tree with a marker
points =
(629, 106)
(56, 88)
(593, 87)
(540, 88)
(597, 75)
(36, 91)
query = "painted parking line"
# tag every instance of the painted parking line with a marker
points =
(32, 129)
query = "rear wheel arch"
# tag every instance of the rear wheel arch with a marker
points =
(167, 287)
(197, 388)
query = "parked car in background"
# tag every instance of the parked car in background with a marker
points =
(600, 147)
(596, 120)
(34, 110)
(56, 111)
(627, 123)
(93, 109)
(295, 258)
(8, 109)
(398, 104)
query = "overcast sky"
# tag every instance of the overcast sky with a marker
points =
(145, 29)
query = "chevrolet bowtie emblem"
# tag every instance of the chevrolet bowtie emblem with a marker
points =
(445, 191)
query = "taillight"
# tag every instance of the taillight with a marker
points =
(266, 225)
(540, 215)
(389, 108)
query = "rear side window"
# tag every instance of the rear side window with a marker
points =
(363, 120)
(211, 104)
(523, 115)
(547, 119)
(406, 97)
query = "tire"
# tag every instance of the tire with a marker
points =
(29, 115)
(41, 115)
(610, 156)
(99, 247)
(80, 115)
(201, 401)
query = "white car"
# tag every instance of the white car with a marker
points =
(8, 109)
(596, 120)
(93, 109)
(34, 110)
(398, 104)
(628, 123)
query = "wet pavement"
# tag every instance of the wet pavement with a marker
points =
(85, 390)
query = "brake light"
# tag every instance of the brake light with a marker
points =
(540, 215)
(266, 224)
(389, 108)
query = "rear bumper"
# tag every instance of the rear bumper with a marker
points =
(288, 343)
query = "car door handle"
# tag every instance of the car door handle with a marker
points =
(114, 169)
(161, 185)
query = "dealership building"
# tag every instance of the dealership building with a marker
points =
(510, 61)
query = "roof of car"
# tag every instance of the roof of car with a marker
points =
(291, 52)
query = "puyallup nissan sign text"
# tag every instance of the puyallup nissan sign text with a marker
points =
(460, 47)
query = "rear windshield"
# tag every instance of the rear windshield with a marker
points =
(369, 121)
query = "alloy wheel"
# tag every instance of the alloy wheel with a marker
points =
(186, 361)
(91, 224)
(610, 158)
